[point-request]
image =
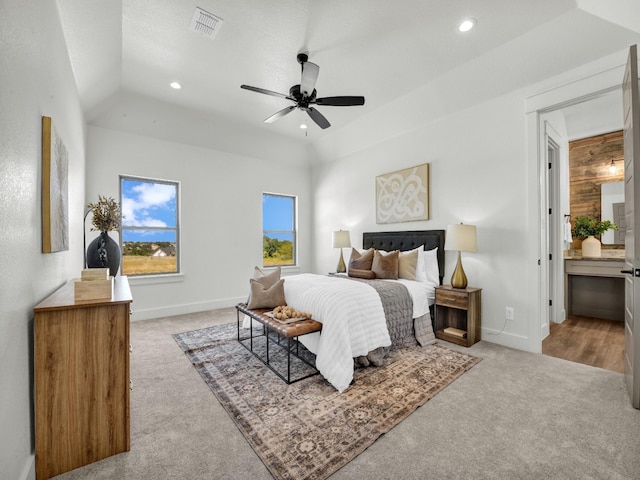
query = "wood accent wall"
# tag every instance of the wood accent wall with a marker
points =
(589, 161)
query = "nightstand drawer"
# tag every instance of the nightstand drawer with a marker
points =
(452, 298)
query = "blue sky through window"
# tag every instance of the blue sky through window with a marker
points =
(148, 204)
(277, 214)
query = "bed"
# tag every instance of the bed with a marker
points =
(362, 318)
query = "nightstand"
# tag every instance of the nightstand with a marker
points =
(458, 310)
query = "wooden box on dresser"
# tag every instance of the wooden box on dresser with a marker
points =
(460, 309)
(81, 379)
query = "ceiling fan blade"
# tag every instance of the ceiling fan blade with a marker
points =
(279, 114)
(267, 92)
(317, 117)
(309, 77)
(345, 101)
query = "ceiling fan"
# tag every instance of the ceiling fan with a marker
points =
(304, 95)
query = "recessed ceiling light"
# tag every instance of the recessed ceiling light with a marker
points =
(467, 25)
(303, 126)
(175, 85)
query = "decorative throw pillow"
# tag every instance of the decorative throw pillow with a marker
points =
(385, 266)
(266, 279)
(357, 273)
(361, 261)
(421, 269)
(263, 297)
(407, 265)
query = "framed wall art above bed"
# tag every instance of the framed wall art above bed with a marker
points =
(403, 196)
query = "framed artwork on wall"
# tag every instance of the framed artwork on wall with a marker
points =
(55, 190)
(403, 196)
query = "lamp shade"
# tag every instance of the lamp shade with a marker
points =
(461, 237)
(341, 239)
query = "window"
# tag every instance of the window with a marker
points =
(278, 230)
(150, 226)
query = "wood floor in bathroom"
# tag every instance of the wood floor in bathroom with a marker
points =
(592, 341)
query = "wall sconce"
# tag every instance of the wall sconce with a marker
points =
(463, 239)
(341, 239)
(613, 170)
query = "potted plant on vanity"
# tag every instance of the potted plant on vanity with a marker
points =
(587, 228)
(104, 251)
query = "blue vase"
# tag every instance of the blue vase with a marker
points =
(104, 252)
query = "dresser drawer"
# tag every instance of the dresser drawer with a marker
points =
(452, 298)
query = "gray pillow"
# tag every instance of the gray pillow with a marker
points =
(263, 297)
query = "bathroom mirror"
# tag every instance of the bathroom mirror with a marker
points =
(612, 209)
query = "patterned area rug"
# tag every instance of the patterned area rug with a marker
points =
(307, 430)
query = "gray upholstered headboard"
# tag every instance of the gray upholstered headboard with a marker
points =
(407, 241)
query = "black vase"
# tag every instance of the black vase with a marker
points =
(104, 252)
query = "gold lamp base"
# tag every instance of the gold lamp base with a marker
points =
(459, 279)
(342, 268)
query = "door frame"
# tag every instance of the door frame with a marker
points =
(589, 87)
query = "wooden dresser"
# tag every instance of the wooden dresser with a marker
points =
(81, 379)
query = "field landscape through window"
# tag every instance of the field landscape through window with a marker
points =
(139, 258)
(149, 226)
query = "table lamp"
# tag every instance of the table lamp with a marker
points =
(341, 239)
(462, 238)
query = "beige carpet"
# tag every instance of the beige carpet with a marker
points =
(308, 430)
(515, 415)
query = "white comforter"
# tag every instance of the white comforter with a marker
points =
(349, 328)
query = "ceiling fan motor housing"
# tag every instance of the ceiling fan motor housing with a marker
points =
(301, 100)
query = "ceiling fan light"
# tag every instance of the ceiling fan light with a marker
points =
(467, 25)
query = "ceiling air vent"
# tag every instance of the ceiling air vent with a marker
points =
(205, 23)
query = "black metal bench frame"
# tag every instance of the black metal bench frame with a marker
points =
(292, 341)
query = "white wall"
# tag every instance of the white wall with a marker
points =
(478, 175)
(221, 213)
(35, 80)
(485, 170)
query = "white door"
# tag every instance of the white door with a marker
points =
(555, 287)
(631, 110)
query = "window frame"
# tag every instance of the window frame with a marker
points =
(178, 186)
(294, 232)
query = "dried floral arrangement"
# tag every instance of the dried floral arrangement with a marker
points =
(106, 214)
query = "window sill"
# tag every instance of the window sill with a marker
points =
(285, 270)
(155, 279)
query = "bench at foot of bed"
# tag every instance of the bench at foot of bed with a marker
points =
(289, 331)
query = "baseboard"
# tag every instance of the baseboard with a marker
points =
(29, 471)
(173, 310)
(511, 340)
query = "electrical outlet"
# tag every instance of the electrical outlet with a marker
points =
(509, 313)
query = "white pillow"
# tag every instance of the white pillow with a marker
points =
(431, 266)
